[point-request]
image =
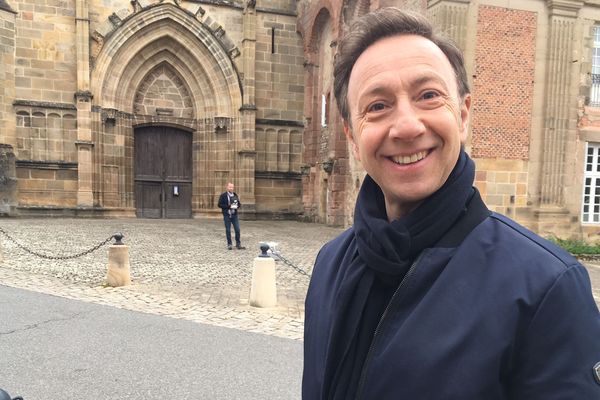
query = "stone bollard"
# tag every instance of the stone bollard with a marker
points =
(118, 263)
(263, 292)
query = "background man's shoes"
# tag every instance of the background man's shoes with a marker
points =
(240, 247)
(229, 247)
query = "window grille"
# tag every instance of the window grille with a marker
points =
(590, 211)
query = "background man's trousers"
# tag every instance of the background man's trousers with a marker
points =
(232, 220)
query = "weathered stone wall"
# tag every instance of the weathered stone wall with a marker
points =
(8, 181)
(279, 72)
(87, 73)
(45, 50)
(529, 73)
(7, 74)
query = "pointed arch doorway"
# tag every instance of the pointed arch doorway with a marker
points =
(163, 172)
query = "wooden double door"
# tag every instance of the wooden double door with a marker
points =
(163, 172)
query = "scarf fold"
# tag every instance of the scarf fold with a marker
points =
(390, 247)
(382, 254)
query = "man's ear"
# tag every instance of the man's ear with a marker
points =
(350, 137)
(465, 112)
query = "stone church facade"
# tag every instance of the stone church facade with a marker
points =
(148, 108)
(534, 70)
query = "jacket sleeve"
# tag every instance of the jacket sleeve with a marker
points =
(223, 202)
(561, 346)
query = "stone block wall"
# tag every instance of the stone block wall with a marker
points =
(7, 74)
(278, 149)
(277, 198)
(8, 181)
(502, 183)
(45, 50)
(279, 70)
(46, 134)
(278, 184)
(47, 184)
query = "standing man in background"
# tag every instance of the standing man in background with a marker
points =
(430, 295)
(229, 202)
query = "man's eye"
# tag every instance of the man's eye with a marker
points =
(376, 107)
(430, 95)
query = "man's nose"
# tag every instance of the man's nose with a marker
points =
(406, 123)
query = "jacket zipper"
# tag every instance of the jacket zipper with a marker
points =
(363, 374)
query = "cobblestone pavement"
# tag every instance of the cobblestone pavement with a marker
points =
(179, 268)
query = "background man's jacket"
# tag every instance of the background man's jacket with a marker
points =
(224, 204)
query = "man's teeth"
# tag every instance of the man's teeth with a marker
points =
(410, 159)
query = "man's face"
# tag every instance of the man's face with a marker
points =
(230, 187)
(408, 122)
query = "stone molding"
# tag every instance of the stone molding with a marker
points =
(84, 96)
(432, 3)
(279, 122)
(278, 175)
(84, 143)
(118, 18)
(44, 104)
(46, 164)
(565, 8)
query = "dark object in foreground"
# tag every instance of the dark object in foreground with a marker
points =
(6, 396)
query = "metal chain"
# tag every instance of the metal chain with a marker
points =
(289, 263)
(48, 257)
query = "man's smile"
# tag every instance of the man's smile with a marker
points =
(409, 159)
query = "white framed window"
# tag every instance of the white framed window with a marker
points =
(595, 89)
(590, 206)
(324, 111)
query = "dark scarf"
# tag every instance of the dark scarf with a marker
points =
(385, 251)
(390, 248)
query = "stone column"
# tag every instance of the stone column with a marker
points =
(247, 145)
(561, 99)
(7, 75)
(8, 181)
(83, 98)
(451, 18)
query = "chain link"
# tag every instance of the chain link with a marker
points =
(290, 264)
(48, 257)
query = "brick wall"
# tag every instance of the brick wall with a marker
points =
(503, 83)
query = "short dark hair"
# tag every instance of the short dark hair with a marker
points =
(379, 24)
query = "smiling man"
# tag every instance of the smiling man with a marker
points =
(430, 295)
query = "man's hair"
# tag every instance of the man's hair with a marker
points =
(379, 24)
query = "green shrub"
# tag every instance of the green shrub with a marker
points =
(574, 246)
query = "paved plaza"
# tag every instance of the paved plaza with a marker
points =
(179, 268)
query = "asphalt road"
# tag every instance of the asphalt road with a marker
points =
(53, 348)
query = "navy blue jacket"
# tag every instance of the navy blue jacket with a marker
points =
(503, 315)
(224, 203)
